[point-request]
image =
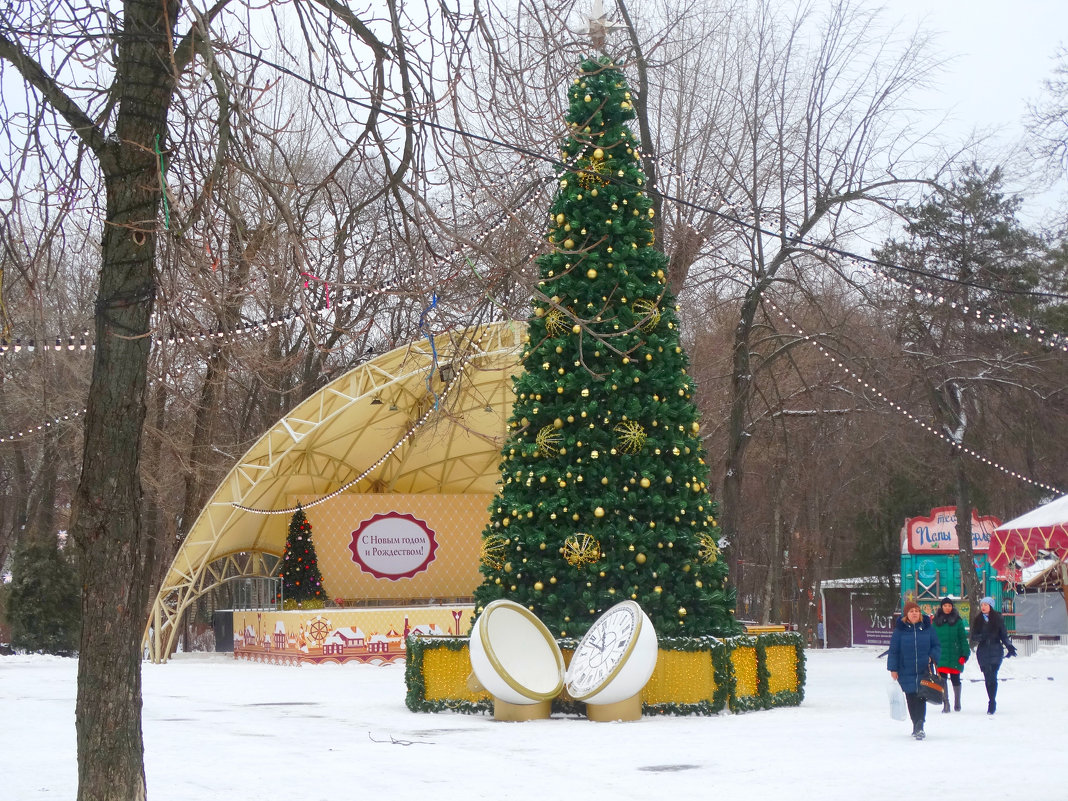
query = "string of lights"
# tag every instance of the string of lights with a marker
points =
(249, 328)
(38, 429)
(814, 341)
(408, 434)
(406, 118)
(71, 345)
(995, 319)
(1052, 339)
(455, 256)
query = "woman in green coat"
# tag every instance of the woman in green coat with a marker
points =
(954, 641)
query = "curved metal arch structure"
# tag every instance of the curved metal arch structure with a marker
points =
(425, 418)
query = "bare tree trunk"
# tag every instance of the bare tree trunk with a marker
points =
(738, 436)
(968, 574)
(106, 519)
(773, 579)
(42, 527)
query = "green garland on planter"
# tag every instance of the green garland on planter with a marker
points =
(415, 699)
(788, 697)
(747, 703)
(724, 697)
(722, 669)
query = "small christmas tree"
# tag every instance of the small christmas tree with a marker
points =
(302, 583)
(603, 493)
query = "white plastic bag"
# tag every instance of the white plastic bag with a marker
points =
(897, 701)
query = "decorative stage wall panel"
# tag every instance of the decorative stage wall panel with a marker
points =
(456, 523)
(374, 636)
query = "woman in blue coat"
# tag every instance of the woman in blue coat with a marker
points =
(914, 647)
(988, 635)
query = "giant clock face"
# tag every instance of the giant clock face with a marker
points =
(603, 651)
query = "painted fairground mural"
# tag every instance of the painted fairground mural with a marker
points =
(374, 636)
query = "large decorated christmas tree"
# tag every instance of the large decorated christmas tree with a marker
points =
(603, 493)
(302, 583)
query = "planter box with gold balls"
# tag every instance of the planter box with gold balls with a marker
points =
(693, 675)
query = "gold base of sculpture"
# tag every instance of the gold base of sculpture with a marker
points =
(627, 709)
(503, 710)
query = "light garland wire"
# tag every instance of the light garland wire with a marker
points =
(893, 404)
(222, 336)
(997, 320)
(247, 329)
(412, 429)
(71, 345)
(18, 436)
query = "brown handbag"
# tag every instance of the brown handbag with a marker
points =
(931, 688)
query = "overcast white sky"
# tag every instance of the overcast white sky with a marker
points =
(1001, 51)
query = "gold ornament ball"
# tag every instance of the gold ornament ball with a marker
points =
(640, 559)
(682, 611)
(598, 512)
(591, 273)
(576, 328)
(569, 244)
(644, 482)
(539, 586)
(598, 154)
(658, 589)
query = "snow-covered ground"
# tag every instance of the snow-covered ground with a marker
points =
(216, 728)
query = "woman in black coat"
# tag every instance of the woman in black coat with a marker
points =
(988, 635)
(914, 647)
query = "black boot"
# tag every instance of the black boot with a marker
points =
(991, 707)
(945, 693)
(956, 698)
(917, 730)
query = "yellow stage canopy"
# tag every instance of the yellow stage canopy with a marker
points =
(420, 419)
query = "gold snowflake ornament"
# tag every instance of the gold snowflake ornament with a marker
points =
(593, 175)
(581, 549)
(556, 323)
(548, 440)
(492, 553)
(709, 549)
(648, 312)
(631, 435)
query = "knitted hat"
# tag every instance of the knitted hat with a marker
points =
(947, 600)
(988, 601)
(911, 605)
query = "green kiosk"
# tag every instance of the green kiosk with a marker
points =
(930, 562)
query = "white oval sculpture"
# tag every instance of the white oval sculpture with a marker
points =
(514, 656)
(615, 658)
